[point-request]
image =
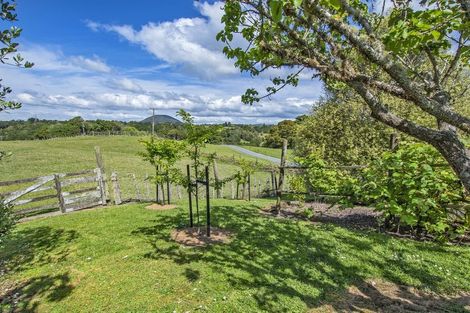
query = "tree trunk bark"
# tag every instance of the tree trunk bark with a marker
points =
(458, 157)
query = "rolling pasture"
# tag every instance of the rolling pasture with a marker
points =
(120, 154)
(42, 157)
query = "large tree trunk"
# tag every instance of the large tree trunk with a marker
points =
(458, 157)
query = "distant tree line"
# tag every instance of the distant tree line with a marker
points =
(36, 129)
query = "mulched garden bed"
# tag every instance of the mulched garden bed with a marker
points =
(358, 217)
(196, 237)
(355, 218)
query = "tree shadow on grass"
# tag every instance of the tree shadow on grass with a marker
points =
(23, 297)
(284, 259)
(32, 248)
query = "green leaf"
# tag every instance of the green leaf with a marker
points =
(276, 10)
(436, 34)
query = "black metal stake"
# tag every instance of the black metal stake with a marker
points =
(190, 197)
(208, 204)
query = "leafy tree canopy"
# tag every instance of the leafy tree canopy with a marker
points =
(415, 55)
(9, 49)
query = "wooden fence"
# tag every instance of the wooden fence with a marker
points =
(65, 192)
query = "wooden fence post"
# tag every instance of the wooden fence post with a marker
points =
(281, 175)
(101, 185)
(147, 185)
(60, 196)
(232, 188)
(273, 183)
(394, 141)
(137, 191)
(178, 192)
(249, 187)
(100, 164)
(116, 189)
(216, 178)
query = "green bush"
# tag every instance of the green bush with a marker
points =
(415, 187)
(7, 220)
(323, 177)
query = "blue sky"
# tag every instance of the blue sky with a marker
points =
(116, 59)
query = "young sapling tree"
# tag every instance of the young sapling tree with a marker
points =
(163, 154)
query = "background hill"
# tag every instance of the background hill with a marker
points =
(160, 119)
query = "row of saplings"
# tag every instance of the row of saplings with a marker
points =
(412, 185)
(163, 154)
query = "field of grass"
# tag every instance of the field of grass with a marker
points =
(45, 157)
(276, 153)
(121, 259)
(41, 157)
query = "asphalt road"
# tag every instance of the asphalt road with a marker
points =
(255, 154)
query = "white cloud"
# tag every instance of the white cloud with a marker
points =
(188, 43)
(126, 84)
(52, 59)
(93, 64)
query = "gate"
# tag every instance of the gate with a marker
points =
(65, 192)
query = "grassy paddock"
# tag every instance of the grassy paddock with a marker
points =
(44, 157)
(121, 259)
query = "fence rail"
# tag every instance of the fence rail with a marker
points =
(71, 192)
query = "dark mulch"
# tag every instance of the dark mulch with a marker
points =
(358, 217)
(355, 218)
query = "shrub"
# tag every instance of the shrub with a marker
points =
(415, 187)
(7, 220)
(323, 177)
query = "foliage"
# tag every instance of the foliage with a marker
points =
(8, 50)
(412, 54)
(283, 130)
(163, 155)
(298, 185)
(342, 131)
(7, 220)
(416, 188)
(45, 129)
(247, 168)
(196, 137)
(323, 177)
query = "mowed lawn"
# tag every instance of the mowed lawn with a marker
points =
(121, 259)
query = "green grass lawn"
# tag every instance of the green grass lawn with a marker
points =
(121, 259)
(276, 153)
